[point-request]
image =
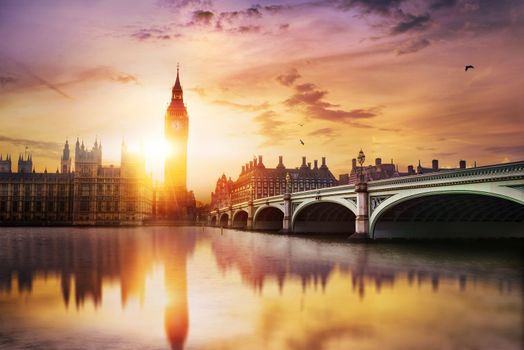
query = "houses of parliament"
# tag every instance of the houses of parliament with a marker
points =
(85, 192)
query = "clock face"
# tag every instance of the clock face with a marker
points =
(175, 124)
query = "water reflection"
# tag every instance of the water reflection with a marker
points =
(86, 259)
(329, 294)
(313, 261)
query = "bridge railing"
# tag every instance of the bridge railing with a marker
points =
(507, 169)
(488, 170)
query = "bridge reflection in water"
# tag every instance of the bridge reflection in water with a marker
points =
(193, 287)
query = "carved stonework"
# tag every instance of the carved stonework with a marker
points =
(352, 200)
(517, 187)
(294, 206)
(376, 201)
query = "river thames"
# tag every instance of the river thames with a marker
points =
(207, 288)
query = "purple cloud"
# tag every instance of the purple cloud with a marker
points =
(411, 23)
(310, 99)
(413, 45)
(288, 78)
(6, 81)
(202, 17)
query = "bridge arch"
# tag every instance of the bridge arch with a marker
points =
(492, 211)
(268, 217)
(224, 220)
(239, 219)
(324, 216)
(213, 220)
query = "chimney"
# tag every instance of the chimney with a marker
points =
(353, 163)
(280, 163)
(309, 165)
(260, 161)
(316, 163)
(324, 162)
(255, 161)
(303, 162)
(243, 169)
(411, 170)
(378, 161)
(250, 164)
(434, 164)
(462, 164)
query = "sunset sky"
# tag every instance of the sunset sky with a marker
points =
(386, 76)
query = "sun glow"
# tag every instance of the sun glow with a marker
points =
(154, 150)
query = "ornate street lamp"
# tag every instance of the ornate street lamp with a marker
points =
(361, 159)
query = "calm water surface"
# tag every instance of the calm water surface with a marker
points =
(195, 288)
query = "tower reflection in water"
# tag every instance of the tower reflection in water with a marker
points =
(176, 317)
(87, 260)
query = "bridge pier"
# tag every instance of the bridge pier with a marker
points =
(286, 223)
(250, 212)
(362, 219)
(230, 217)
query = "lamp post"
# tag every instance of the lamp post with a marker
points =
(361, 159)
(250, 208)
(361, 189)
(286, 223)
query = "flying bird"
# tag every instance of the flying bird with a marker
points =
(468, 67)
(301, 124)
(302, 142)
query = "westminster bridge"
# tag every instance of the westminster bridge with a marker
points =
(477, 202)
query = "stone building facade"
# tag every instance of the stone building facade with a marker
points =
(256, 181)
(380, 171)
(377, 171)
(89, 194)
(222, 196)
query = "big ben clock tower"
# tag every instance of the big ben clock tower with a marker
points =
(176, 129)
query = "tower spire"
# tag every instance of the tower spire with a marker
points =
(176, 132)
(177, 88)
